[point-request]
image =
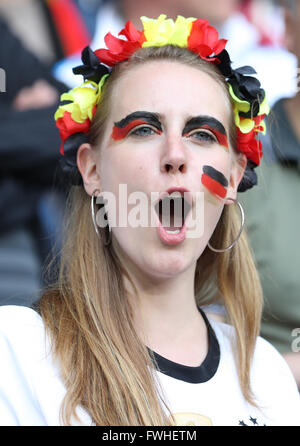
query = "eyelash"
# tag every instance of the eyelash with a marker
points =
(208, 136)
(135, 131)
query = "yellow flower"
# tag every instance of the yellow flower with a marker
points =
(83, 99)
(162, 31)
(239, 105)
(246, 125)
(264, 108)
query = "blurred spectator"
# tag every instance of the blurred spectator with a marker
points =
(46, 27)
(255, 39)
(39, 34)
(113, 14)
(29, 148)
(248, 44)
(267, 18)
(273, 215)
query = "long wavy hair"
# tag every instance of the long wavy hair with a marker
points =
(105, 367)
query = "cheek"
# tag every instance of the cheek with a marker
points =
(127, 164)
(123, 174)
(115, 167)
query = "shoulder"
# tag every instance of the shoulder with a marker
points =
(23, 351)
(10, 313)
(272, 382)
(268, 365)
(23, 341)
(19, 324)
(265, 357)
(31, 388)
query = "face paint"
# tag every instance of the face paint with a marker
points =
(207, 123)
(214, 181)
(123, 127)
(119, 133)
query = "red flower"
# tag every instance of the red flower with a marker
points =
(120, 49)
(249, 144)
(67, 127)
(204, 40)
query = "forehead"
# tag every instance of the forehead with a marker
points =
(170, 89)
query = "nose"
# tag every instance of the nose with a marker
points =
(174, 156)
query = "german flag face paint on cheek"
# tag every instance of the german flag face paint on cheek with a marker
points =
(214, 181)
(139, 118)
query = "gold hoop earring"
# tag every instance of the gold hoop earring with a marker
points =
(240, 232)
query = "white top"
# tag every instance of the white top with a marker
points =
(31, 390)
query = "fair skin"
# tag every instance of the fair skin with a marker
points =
(155, 161)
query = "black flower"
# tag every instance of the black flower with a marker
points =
(92, 69)
(244, 85)
(68, 162)
(250, 177)
(247, 88)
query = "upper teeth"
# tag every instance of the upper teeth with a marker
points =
(175, 194)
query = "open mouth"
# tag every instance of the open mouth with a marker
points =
(172, 211)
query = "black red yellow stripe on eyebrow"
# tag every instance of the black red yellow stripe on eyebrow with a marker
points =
(119, 133)
(214, 180)
(123, 127)
(209, 123)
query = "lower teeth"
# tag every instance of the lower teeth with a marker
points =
(176, 231)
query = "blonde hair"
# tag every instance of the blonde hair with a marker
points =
(105, 367)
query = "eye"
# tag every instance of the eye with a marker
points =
(202, 135)
(144, 130)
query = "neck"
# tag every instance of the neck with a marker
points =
(166, 316)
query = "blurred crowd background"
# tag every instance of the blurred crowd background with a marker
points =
(40, 42)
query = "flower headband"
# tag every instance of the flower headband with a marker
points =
(249, 101)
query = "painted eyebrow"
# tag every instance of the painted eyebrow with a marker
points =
(199, 121)
(150, 118)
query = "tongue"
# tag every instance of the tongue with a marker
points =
(171, 218)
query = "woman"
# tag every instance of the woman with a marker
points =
(121, 339)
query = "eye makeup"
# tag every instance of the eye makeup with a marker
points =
(214, 181)
(207, 123)
(138, 118)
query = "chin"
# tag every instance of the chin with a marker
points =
(164, 263)
(154, 259)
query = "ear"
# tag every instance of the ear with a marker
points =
(237, 172)
(87, 166)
